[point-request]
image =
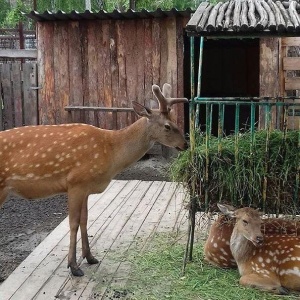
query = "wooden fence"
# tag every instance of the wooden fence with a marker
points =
(18, 94)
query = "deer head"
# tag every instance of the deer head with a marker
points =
(160, 121)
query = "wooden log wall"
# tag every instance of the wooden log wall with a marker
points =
(107, 63)
(18, 97)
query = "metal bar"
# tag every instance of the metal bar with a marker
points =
(96, 108)
(262, 103)
(192, 146)
(220, 126)
(236, 147)
(254, 99)
(200, 67)
(207, 142)
(193, 199)
(252, 149)
(265, 179)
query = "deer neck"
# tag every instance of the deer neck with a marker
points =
(130, 144)
(241, 249)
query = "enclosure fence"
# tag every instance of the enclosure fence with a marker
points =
(246, 151)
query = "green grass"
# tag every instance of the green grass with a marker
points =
(260, 170)
(156, 274)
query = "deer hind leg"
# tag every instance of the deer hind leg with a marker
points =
(263, 283)
(76, 199)
(86, 252)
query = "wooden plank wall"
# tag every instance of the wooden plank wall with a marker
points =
(107, 63)
(290, 79)
(18, 98)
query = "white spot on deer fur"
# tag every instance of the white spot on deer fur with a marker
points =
(96, 155)
(268, 260)
(215, 245)
(78, 164)
(43, 155)
(30, 175)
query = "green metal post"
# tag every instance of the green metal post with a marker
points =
(194, 198)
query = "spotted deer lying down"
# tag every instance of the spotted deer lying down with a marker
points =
(79, 159)
(217, 250)
(266, 262)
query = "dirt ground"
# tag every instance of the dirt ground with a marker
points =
(24, 224)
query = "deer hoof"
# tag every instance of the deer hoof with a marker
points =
(76, 271)
(283, 291)
(92, 260)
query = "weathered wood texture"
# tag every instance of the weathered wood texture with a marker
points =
(290, 80)
(269, 74)
(265, 17)
(124, 218)
(18, 100)
(107, 63)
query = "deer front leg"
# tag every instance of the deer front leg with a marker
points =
(75, 201)
(263, 283)
(86, 252)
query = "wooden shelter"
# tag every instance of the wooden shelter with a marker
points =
(106, 60)
(245, 71)
(248, 49)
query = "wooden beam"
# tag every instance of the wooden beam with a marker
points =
(292, 83)
(291, 63)
(16, 53)
(290, 41)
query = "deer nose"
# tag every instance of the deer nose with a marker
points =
(259, 240)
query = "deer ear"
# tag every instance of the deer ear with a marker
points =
(141, 110)
(227, 210)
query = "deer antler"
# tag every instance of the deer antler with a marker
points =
(164, 97)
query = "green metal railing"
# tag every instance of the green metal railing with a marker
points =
(260, 115)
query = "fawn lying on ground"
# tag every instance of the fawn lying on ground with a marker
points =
(217, 250)
(270, 263)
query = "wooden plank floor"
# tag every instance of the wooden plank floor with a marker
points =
(124, 213)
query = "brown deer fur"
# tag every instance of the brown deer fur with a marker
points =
(79, 159)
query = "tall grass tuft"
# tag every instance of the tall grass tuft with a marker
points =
(260, 170)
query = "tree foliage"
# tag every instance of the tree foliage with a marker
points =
(11, 15)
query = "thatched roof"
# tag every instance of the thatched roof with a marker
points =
(246, 17)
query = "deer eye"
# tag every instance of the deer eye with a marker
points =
(245, 222)
(167, 127)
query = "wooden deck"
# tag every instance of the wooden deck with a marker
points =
(125, 212)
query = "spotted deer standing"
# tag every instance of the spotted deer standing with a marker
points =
(217, 245)
(79, 159)
(270, 262)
